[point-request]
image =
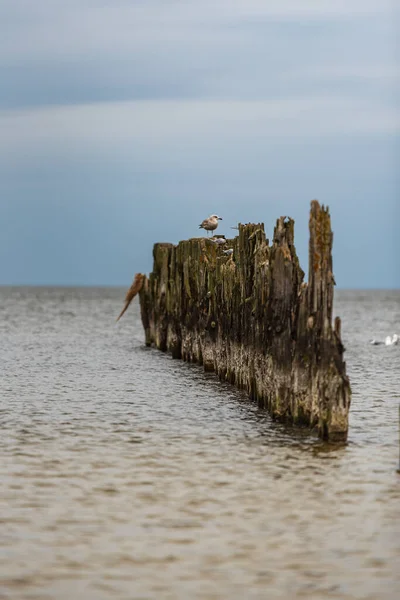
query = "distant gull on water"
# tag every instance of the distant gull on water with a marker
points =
(389, 341)
(392, 341)
(211, 223)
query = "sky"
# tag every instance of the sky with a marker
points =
(127, 122)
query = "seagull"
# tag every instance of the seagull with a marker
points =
(228, 252)
(389, 341)
(211, 223)
(392, 341)
(220, 241)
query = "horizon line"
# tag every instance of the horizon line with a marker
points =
(124, 285)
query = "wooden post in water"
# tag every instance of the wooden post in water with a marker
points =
(250, 318)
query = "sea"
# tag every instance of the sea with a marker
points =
(125, 474)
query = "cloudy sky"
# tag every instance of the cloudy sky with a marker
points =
(126, 122)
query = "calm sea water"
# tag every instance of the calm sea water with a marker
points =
(127, 475)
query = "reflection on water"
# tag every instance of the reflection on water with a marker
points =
(125, 474)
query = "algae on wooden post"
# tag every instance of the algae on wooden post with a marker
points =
(249, 317)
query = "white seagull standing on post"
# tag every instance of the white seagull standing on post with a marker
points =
(211, 223)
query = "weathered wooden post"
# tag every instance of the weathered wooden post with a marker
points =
(250, 318)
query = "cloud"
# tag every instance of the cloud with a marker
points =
(69, 52)
(49, 30)
(112, 111)
(148, 126)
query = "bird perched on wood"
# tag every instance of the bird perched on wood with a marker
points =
(133, 290)
(228, 252)
(220, 241)
(211, 223)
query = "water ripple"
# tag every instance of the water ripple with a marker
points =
(126, 474)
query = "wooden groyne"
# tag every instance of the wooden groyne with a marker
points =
(249, 317)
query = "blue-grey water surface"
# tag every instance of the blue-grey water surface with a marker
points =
(128, 475)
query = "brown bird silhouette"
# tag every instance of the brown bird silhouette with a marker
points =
(133, 290)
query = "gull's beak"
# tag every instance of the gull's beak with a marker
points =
(220, 218)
